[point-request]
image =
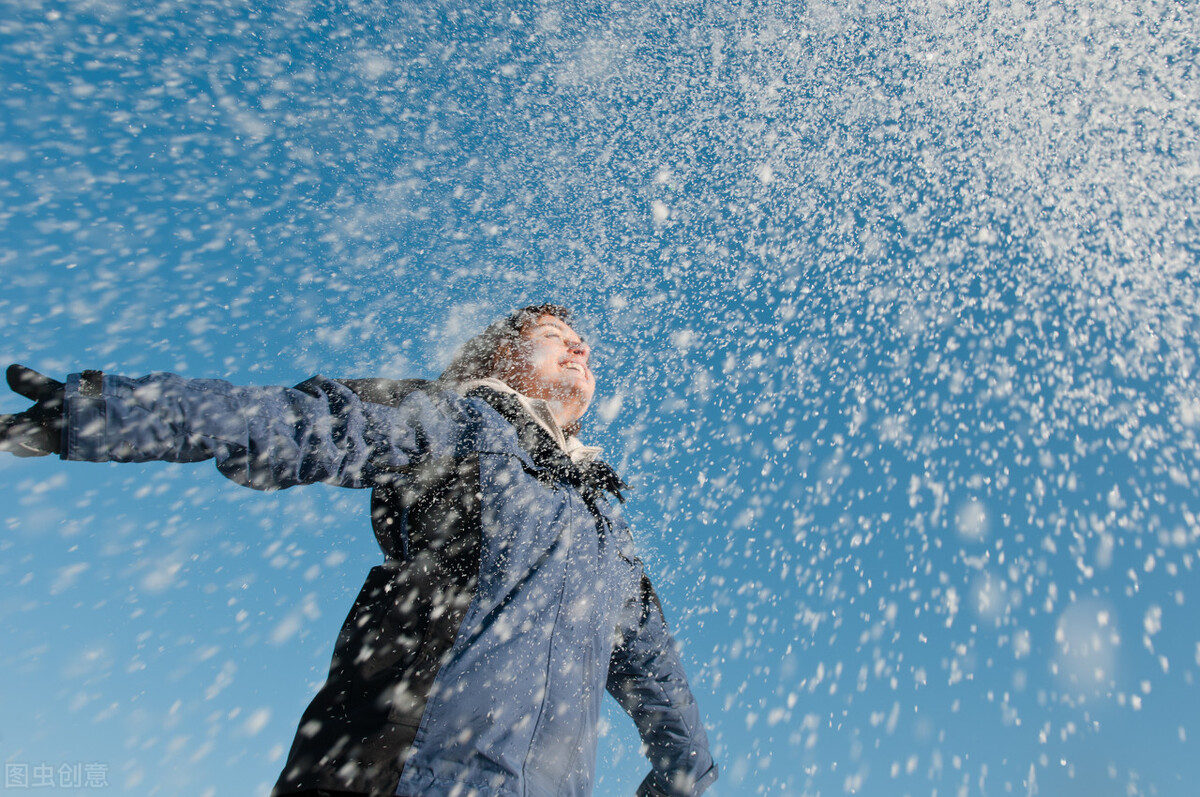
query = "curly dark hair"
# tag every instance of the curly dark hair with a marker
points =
(477, 357)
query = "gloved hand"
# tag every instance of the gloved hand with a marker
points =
(37, 431)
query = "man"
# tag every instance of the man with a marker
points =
(475, 658)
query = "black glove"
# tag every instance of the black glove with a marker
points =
(38, 430)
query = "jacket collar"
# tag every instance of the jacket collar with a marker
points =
(591, 475)
(539, 411)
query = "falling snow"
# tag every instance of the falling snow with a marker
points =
(895, 311)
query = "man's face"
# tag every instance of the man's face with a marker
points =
(550, 362)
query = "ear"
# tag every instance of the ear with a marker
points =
(508, 354)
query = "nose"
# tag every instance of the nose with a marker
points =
(580, 348)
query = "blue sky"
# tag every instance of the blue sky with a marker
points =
(895, 312)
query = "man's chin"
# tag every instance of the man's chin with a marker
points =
(567, 390)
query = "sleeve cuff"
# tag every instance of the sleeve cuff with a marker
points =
(84, 418)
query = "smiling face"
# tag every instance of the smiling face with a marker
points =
(549, 361)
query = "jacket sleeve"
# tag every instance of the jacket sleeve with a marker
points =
(646, 677)
(267, 438)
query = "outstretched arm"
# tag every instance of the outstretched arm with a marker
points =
(647, 679)
(262, 437)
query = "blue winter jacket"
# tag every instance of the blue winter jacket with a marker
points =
(475, 658)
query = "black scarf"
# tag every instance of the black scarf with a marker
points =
(591, 478)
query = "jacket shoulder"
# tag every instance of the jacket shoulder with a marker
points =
(388, 391)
